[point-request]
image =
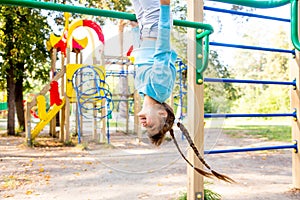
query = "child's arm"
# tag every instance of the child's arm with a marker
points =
(164, 30)
(163, 70)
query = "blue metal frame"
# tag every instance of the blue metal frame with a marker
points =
(289, 146)
(251, 47)
(245, 14)
(228, 80)
(215, 115)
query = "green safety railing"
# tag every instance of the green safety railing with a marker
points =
(201, 59)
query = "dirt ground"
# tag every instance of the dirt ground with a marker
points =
(126, 169)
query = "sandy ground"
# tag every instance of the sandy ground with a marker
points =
(130, 170)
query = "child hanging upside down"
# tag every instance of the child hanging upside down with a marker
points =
(155, 61)
(156, 74)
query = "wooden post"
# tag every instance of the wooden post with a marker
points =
(28, 124)
(195, 112)
(67, 119)
(104, 120)
(94, 125)
(126, 96)
(62, 93)
(295, 104)
(95, 111)
(80, 117)
(124, 67)
(137, 108)
(53, 69)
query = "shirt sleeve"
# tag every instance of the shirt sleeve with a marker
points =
(164, 32)
(163, 70)
(156, 78)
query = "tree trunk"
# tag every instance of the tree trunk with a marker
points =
(11, 101)
(19, 98)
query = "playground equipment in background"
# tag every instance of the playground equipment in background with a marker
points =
(77, 90)
(3, 103)
(74, 69)
(44, 114)
(85, 86)
(66, 40)
(119, 72)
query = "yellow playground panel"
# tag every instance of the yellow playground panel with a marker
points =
(45, 117)
(71, 69)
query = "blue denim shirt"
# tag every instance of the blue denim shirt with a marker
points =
(156, 72)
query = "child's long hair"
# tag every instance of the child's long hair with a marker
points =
(158, 139)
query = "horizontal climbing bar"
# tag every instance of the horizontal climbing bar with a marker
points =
(95, 12)
(252, 47)
(215, 115)
(119, 73)
(228, 80)
(256, 3)
(289, 146)
(234, 12)
(122, 100)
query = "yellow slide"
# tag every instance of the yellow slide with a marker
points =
(45, 117)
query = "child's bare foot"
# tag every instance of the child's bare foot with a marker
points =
(165, 2)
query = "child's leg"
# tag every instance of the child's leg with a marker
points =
(150, 16)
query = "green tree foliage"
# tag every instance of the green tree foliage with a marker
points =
(264, 66)
(117, 5)
(218, 97)
(23, 56)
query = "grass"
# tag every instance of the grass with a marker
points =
(271, 132)
(208, 195)
(116, 124)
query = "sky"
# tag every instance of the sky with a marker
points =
(231, 32)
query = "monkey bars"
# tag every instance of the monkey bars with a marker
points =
(202, 55)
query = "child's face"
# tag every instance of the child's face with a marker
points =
(152, 118)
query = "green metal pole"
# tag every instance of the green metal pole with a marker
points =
(201, 56)
(94, 11)
(256, 3)
(294, 24)
(202, 60)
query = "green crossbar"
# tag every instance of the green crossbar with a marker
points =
(94, 12)
(202, 62)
